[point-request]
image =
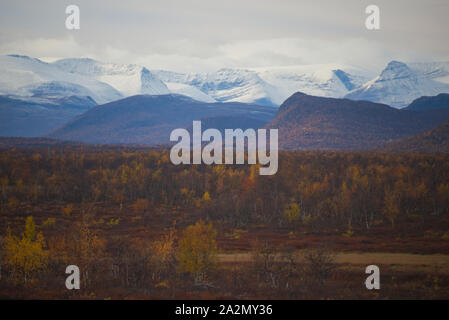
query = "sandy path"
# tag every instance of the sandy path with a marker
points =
(439, 261)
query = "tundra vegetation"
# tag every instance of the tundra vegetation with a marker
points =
(138, 226)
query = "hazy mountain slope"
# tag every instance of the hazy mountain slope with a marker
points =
(309, 122)
(150, 119)
(432, 141)
(224, 122)
(37, 116)
(438, 102)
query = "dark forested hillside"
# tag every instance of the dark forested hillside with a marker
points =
(433, 141)
(309, 122)
(439, 102)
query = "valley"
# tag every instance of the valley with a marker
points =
(86, 179)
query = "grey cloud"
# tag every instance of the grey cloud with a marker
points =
(204, 35)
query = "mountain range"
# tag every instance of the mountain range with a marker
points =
(28, 77)
(397, 85)
(337, 108)
(269, 86)
(303, 121)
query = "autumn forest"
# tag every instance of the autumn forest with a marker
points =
(138, 226)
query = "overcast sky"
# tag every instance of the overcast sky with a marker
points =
(204, 35)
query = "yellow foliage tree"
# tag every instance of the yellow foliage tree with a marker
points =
(25, 257)
(391, 209)
(198, 250)
(292, 212)
(88, 251)
(68, 210)
(164, 257)
(206, 197)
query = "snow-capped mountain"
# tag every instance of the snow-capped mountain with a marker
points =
(190, 91)
(438, 71)
(326, 80)
(269, 86)
(226, 85)
(128, 79)
(25, 76)
(399, 83)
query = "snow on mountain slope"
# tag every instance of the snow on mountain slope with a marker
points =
(129, 79)
(438, 71)
(190, 91)
(320, 80)
(270, 86)
(226, 85)
(25, 76)
(399, 84)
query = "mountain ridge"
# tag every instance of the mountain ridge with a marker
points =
(149, 119)
(433, 141)
(397, 85)
(39, 115)
(310, 122)
(440, 101)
